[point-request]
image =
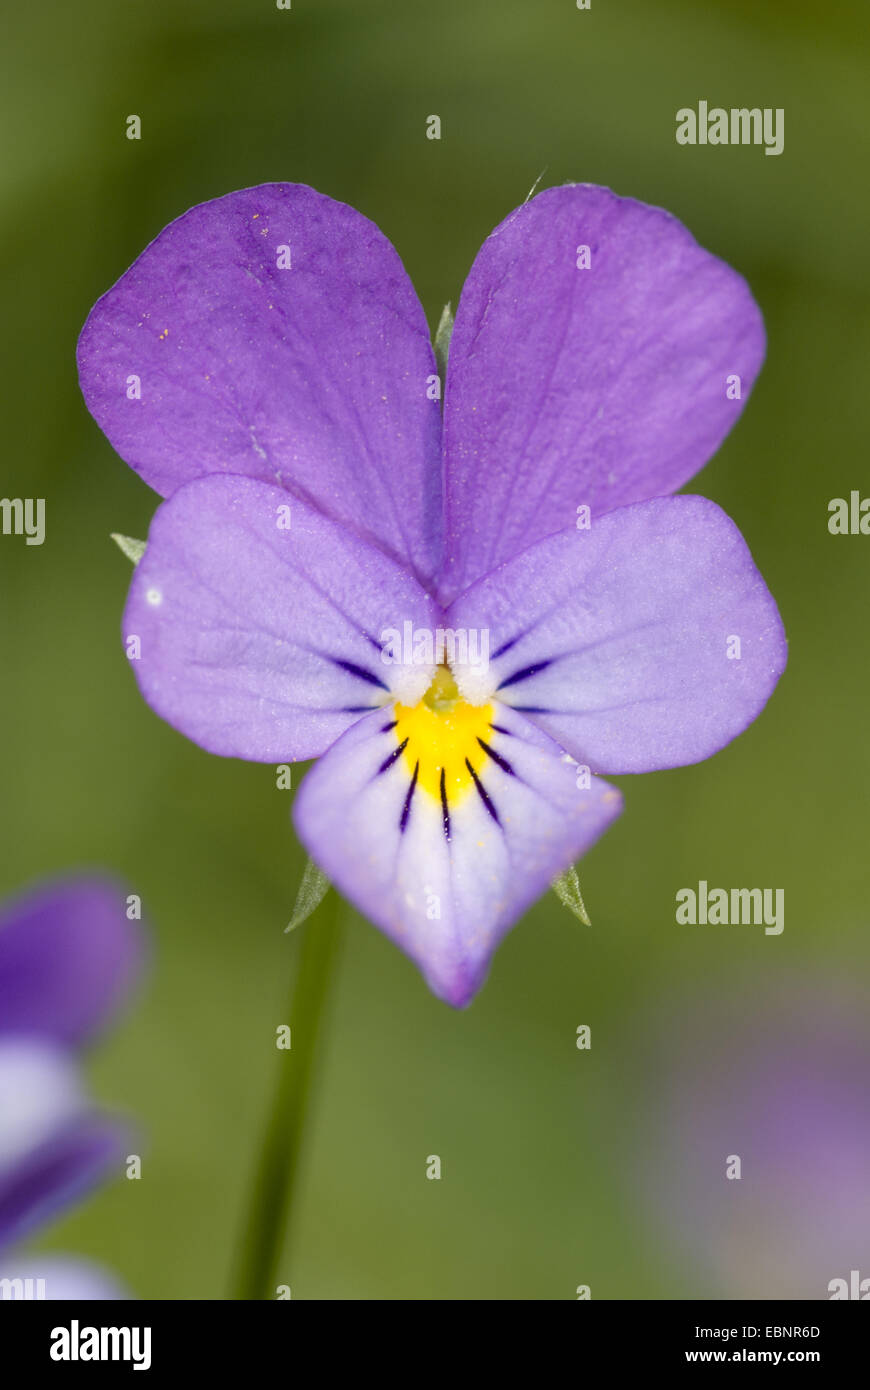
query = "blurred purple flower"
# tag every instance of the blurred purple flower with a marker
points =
(68, 956)
(782, 1082)
(268, 348)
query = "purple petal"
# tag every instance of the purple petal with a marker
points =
(63, 1278)
(446, 876)
(596, 387)
(649, 641)
(314, 377)
(53, 1146)
(68, 956)
(60, 1174)
(262, 642)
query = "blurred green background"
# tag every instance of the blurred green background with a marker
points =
(541, 1144)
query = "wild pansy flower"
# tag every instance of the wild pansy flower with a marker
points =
(68, 955)
(266, 366)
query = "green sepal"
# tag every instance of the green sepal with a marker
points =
(312, 891)
(133, 549)
(567, 890)
(442, 340)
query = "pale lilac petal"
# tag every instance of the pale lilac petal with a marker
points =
(68, 957)
(60, 1278)
(314, 377)
(263, 642)
(40, 1093)
(621, 641)
(53, 1145)
(597, 387)
(447, 902)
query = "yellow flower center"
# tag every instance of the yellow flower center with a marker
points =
(443, 735)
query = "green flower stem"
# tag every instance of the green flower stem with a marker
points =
(271, 1206)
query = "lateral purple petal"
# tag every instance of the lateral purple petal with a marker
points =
(647, 642)
(53, 1144)
(68, 957)
(570, 386)
(254, 623)
(274, 332)
(445, 880)
(60, 1173)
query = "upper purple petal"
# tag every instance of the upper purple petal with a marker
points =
(258, 632)
(68, 956)
(569, 386)
(445, 877)
(649, 641)
(312, 376)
